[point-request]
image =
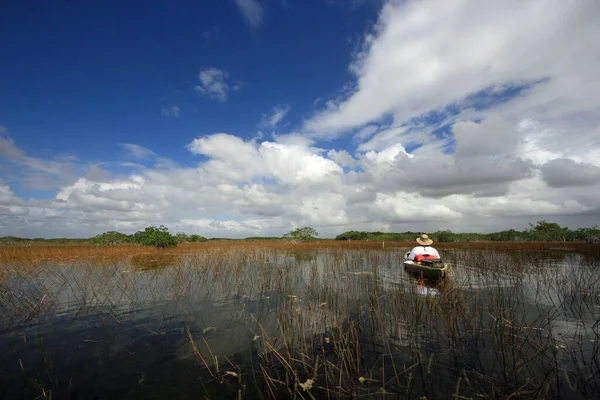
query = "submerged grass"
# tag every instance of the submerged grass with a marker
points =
(303, 321)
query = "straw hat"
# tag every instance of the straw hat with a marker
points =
(424, 240)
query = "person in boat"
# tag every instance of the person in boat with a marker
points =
(424, 251)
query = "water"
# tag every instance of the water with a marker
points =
(337, 322)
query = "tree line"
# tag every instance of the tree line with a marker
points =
(150, 236)
(542, 231)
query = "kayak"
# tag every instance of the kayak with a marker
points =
(426, 269)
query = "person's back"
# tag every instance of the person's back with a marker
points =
(424, 248)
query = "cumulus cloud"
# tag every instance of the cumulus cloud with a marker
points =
(244, 188)
(563, 172)
(213, 84)
(440, 139)
(493, 136)
(235, 159)
(7, 197)
(252, 11)
(342, 158)
(408, 207)
(423, 55)
(248, 194)
(438, 175)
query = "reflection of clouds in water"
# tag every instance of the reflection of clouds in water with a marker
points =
(230, 298)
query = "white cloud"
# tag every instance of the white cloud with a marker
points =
(365, 133)
(96, 173)
(234, 159)
(37, 173)
(323, 209)
(493, 136)
(409, 207)
(247, 188)
(424, 55)
(252, 11)
(483, 165)
(144, 154)
(137, 151)
(213, 85)
(384, 139)
(223, 228)
(7, 197)
(276, 115)
(507, 206)
(563, 172)
(388, 157)
(342, 158)
(170, 111)
(9, 150)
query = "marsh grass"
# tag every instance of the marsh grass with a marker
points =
(303, 321)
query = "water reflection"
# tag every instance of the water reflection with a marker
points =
(261, 322)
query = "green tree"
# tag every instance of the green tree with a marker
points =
(547, 231)
(182, 237)
(157, 237)
(545, 226)
(507, 236)
(589, 235)
(306, 234)
(444, 236)
(197, 238)
(111, 238)
(352, 235)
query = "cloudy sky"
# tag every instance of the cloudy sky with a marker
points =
(239, 118)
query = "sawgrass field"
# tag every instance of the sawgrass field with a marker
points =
(271, 319)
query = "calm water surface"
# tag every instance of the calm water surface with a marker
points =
(306, 323)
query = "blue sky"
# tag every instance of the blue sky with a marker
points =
(252, 117)
(82, 76)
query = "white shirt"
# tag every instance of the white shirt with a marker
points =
(423, 250)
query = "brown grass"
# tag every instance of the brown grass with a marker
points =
(476, 339)
(66, 252)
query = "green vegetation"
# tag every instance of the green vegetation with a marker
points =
(181, 237)
(185, 238)
(111, 238)
(157, 237)
(277, 320)
(542, 231)
(150, 236)
(197, 238)
(15, 240)
(306, 234)
(263, 238)
(357, 235)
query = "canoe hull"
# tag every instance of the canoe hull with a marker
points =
(426, 272)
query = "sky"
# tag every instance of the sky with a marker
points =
(238, 118)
